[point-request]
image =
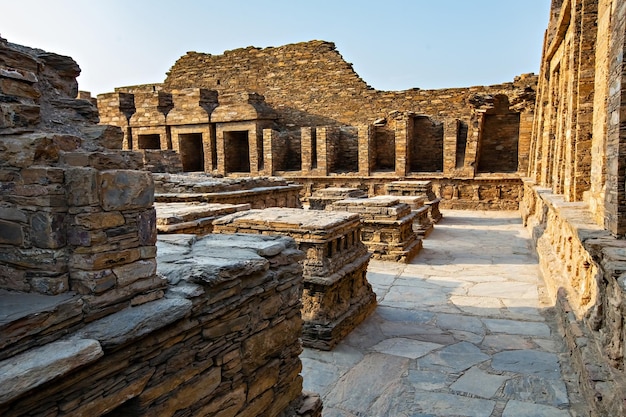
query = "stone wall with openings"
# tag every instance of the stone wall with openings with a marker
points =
(321, 119)
(573, 200)
(310, 84)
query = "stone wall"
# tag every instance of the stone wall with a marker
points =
(89, 327)
(310, 84)
(573, 200)
(311, 114)
(502, 192)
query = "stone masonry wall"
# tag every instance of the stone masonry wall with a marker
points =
(310, 84)
(573, 200)
(89, 327)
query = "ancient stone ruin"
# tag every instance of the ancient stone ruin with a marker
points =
(93, 323)
(336, 296)
(301, 112)
(89, 326)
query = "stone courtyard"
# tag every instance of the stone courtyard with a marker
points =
(464, 329)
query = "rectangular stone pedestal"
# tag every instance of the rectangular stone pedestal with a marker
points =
(387, 226)
(336, 296)
(422, 225)
(417, 188)
(196, 218)
(327, 196)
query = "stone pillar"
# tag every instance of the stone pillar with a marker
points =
(473, 138)
(403, 133)
(323, 156)
(221, 154)
(269, 136)
(256, 151)
(450, 134)
(366, 153)
(525, 133)
(306, 149)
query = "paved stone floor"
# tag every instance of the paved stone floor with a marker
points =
(463, 330)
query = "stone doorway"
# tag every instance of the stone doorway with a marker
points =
(237, 151)
(191, 151)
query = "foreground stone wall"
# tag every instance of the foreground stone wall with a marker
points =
(89, 327)
(224, 341)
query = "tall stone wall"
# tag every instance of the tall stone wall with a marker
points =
(573, 201)
(310, 84)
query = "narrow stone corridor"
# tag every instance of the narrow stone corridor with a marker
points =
(463, 330)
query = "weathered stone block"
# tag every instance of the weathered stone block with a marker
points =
(102, 220)
(92, 282)
(18, 116)
(126, 190)
(43, 175)
(82, 186)
(132, 272)
(13, 279)
(106, 136)
(13, 214)
(103, 260)
(40, 365)
(18, 88)
(146, 223)
(11, 233)
(50, 285)
(38, 259)
(48, 230)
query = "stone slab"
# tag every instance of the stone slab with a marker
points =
(30, 369)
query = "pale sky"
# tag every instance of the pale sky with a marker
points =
(392, 44)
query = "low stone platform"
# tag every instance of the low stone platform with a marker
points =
(386, 226)
(417, 188)
(196, 218)
(324, 197)
(259, 192)
(422, 225)
(337, 296)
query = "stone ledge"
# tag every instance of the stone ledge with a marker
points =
(221, 196)
(30, 369)
(36, 318)
(134, 322)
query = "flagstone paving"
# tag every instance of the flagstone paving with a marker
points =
(463, 330)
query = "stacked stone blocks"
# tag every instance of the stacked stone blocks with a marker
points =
(336, 296)
(386, 226)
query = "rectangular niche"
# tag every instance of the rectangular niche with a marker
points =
(191, 151)
(499, 143)
(426, 145)
(237, 151)
(152, 141)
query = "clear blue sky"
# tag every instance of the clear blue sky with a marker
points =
(392, 44)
